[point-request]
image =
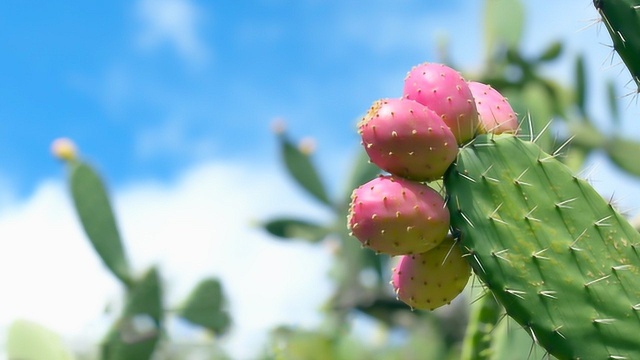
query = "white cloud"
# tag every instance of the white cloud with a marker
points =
(196, 227)
(174, 22)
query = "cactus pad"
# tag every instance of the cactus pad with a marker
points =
(622, 20)
(561, 260)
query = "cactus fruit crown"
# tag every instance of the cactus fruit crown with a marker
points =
(560, 260)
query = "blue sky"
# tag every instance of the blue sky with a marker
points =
(173, 100)
(148, 87)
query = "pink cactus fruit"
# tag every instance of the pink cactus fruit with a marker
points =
(429, 280)
(396, 216)
(445, 91)
(407, 139)
(494, 111)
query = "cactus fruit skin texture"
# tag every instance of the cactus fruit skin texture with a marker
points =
(408, 139)
(395, 216)
(560, 259)
(445, 91)
(494, 111)
(431, 279)
(622, 20)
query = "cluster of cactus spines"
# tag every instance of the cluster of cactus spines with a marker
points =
(433, 278)
(559, 258)
(408, 139)
(495, 114)
(395, 216)
(443, 90)
(622, 20)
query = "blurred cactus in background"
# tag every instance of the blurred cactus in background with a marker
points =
(140, 331)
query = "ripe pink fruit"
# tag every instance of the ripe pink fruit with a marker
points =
(445, 91)
(395, 216)
(407, 139)
(495, 114)
(429, 280)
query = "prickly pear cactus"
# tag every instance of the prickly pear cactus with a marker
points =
(558, 257)
(622, 20)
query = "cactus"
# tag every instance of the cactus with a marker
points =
(396, 216)
(141, 325)
(559, 258)
(553, 253)
(445, 91)
(593, 304)
(622, 20)
(408, 139)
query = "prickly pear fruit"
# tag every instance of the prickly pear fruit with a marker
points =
(396, 216)
(407, 139)
(494, 111)
(445, 91)
(429, 280)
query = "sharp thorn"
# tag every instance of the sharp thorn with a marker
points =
(548, 293)
(496, 210)
(466, 219)
(596, 280)
(516, 293)
(601, 222)
(563, 204)
(563, 145)
(557, 331)
(621, 267)
(537, 254)
(498, 254)
(467, 177)
(578, 238)
(542, 131)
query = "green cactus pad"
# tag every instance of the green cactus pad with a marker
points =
(622, 20)
(559, 258)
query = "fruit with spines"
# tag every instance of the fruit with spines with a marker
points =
(407, 139)
(560, 259)
(443, 90)
(495, 114)
(396, 216)
(432, 279)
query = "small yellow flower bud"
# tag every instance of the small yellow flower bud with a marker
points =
(64, 149)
